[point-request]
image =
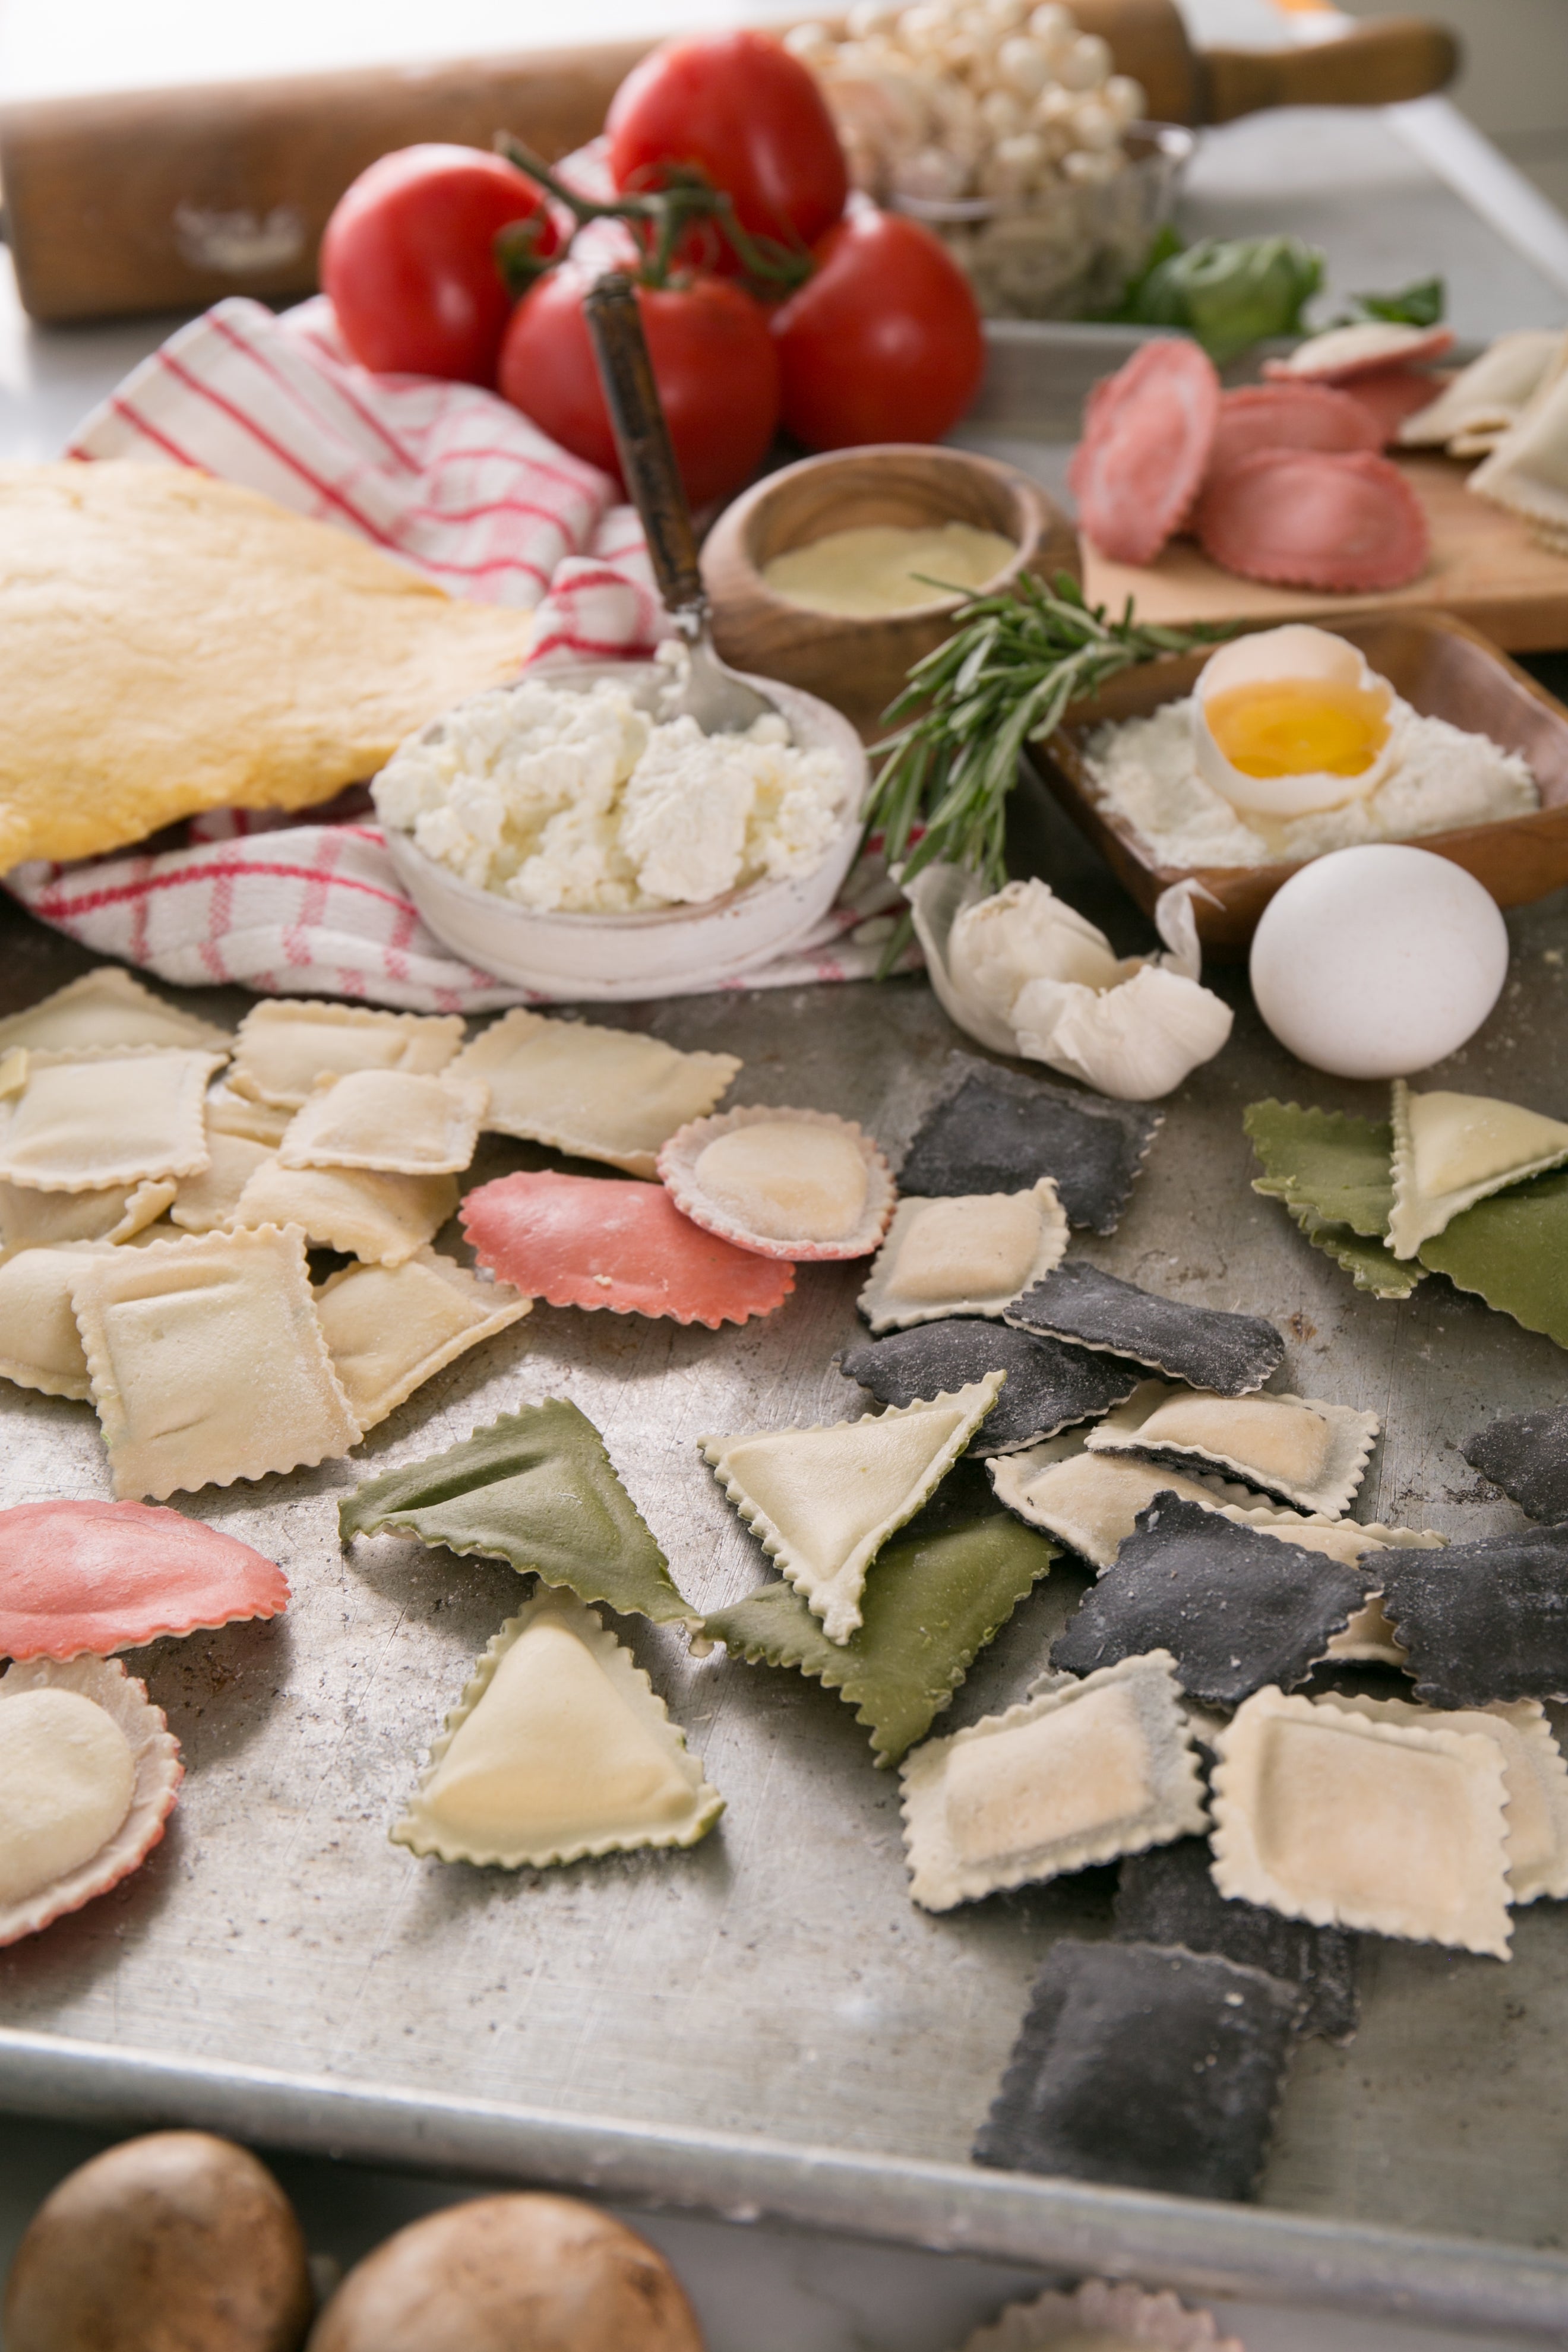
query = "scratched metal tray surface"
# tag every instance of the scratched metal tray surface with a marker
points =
(767, 2023)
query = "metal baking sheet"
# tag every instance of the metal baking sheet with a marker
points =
(278, 1967)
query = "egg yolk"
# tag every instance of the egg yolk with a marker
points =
(1298, 727)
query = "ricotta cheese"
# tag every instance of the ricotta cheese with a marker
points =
(581, 801)
(1440, 777)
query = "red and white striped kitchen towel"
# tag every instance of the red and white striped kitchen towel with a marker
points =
(455, 482)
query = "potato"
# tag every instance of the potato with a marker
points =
(524, 2273)
(177, 2242)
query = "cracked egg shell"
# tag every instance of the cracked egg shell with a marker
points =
(783, 1183)
(82, 1801)
(1292, 721)
(91, 1577)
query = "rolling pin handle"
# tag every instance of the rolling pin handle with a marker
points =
(643, 444)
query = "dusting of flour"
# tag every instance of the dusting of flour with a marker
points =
(1441, 777)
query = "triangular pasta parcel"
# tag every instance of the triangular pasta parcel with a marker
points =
(1451, 1150)
(824, 1501)
(559, 1748)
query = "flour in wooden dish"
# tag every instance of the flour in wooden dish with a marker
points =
(1442, 777)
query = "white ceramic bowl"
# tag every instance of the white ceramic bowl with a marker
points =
(622, 958)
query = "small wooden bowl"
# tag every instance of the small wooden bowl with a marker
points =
(859, 666)
(1443, 668)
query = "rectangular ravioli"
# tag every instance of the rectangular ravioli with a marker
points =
(614, 1095)
(1298, 1448)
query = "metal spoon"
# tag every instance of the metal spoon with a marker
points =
(721, 701)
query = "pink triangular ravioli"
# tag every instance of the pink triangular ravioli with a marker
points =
(87, 1579)
(594, 1241)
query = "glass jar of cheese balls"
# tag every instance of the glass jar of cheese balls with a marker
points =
(1005, 130)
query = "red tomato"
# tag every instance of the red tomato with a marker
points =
(751, 115)
(713, 360)
(409, 260)
(884, 343)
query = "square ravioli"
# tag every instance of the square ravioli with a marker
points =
(202, 1203)
(1206, 1346)
(1395, 1828)
(84, 1123)
(396, 1121)
(1079, 1774)
(1048, 1386)
(1369, 1638)
(1483, 1621)
(1168, 1896)
(389, 1329)
(1296, 1448)
(559, 1748)
(997, 1132)
(1145, 2067)
(366, 1215)
(968, 1255)
(1236, 1607)
(207, 1362)
(1525, 1454)
(1091, 1501)
(614, 1095)
(48, 1220)
(39, 1345)
(285, 1043)
(108, 1008)
(824, 1501)
(1533, 1771)
(1451, 1150)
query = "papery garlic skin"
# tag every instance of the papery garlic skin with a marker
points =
(1026, 932)
(1026, 975)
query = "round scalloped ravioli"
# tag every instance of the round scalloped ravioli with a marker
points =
(782, 1182)
(155, 1773)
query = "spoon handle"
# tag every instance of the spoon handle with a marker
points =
(642, 440)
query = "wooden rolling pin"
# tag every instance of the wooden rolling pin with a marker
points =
(162, 200)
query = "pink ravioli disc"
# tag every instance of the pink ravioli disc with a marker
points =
(594, 1241)
(1147, 433)
(1390, 395)
(1288, 416)
(1343, 354)
(1341, 522)
(87, 1579)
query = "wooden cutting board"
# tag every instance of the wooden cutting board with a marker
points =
(1485, 568)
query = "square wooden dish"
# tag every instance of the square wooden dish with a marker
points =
(1443, 668)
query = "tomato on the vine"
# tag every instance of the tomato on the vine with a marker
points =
(751, 116)
(883, 342)
(713, 361)
(408, 258)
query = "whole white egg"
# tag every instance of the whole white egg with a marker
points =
(1377, 962)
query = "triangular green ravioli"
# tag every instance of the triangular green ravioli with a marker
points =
(535, 1488)
(1326, 1161)
(1451, 1150)
(558, 1749)
(930, 1604)
(1370, 1264)
(824, 1501)
(1513, 1250)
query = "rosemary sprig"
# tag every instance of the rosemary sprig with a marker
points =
(1002, 679)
